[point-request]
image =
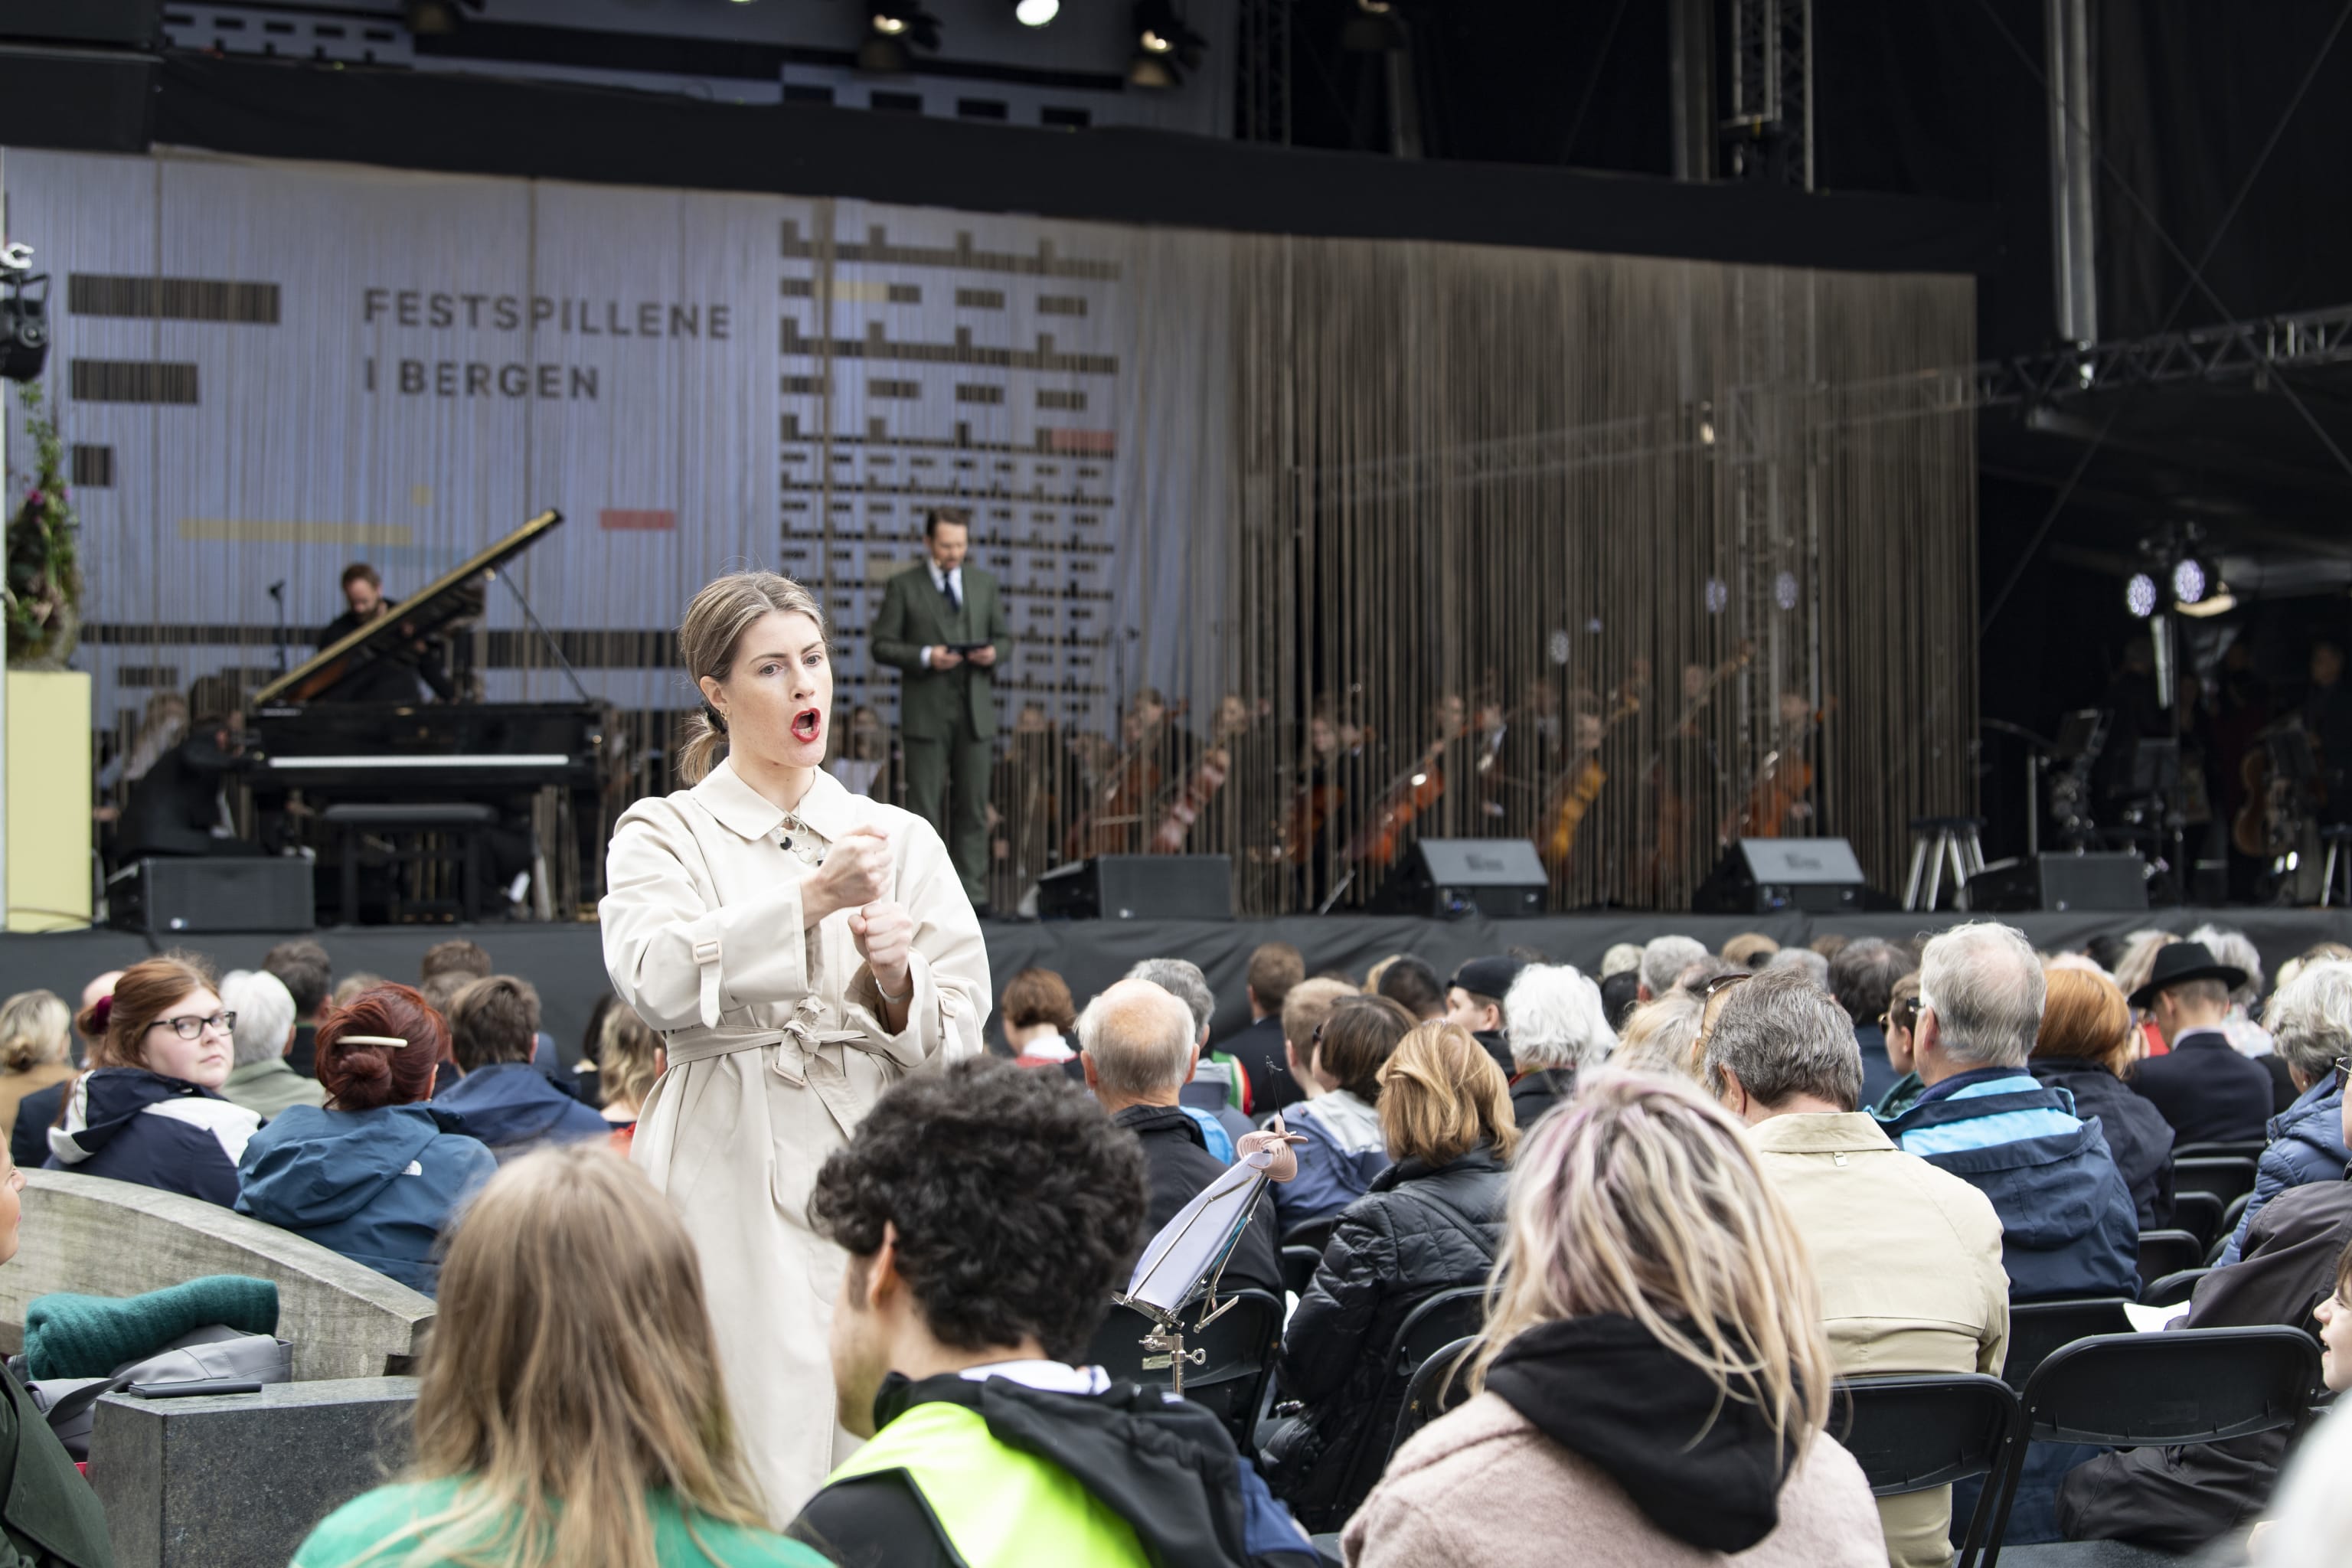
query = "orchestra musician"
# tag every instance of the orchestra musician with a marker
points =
(942, 627)
(393, 676)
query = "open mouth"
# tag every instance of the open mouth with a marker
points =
(807, 724)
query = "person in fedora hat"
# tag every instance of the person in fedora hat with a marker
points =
(2202, 1086)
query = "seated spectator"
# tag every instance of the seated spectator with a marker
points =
(1902, 1016)
(150, 1110)
(48, 1514)
(1861, 977)
(2310, 1019)
(1218, 1087)
(2085, 1041)
(2179, 1499)
(448, 967)
(2201, 1085)
(1654, 1381)
(1345, 1147)
(2068, 1222)
(2312, 1522)
(632, 1057)
(1620, 994)
(566, 1414)
(1557, 1029)
(1411, 984)
(988, 1215)
(1038, 1016)
(1750, 950)
(1664, 959)
(508, 1104)
(35, 1048)
(1622, 958)
(1274, 967)
(1137, 1046)
(1908, 1257)
(303, 967)
(1829, 944)
(260, 1080)
(376, 1173)
(42, 1108)
(1432, 1221)
(1660, 1035)
(1812, 965)
(1473, 999)
(1303, 1011)
(352, 984)
(2247, 1035)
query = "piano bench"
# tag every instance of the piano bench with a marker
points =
(462, 823)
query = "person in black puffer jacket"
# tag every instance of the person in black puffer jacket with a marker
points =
(2085, 1042)
(1432, 1221)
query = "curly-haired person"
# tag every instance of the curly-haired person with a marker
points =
(988, 1214)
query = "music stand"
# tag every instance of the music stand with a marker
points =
(1191, 1250)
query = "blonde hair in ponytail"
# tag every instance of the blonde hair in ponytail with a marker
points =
(707, 640)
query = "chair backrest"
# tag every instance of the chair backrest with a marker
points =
(2037, 1328)
(1438, 1385)
(1429, 1327)
(2199, 1214)
(1314, 1233)
(1238, 1355)
(2235, 1212)
(101, 1237)
(2163, 1252)
(2172, 1289)
(1912, 1432)
(2249, 1150)
(1298, 1265)
(2224, 1175)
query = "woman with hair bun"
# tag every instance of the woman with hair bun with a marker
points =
(375, 1175)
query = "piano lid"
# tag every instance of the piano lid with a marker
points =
(425, 611)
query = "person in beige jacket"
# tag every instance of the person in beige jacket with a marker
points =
(1907, 1256)
(800, 949)
(1652, 1383)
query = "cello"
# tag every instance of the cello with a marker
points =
(1413, 793)
(1571, 800)
(1114, 823)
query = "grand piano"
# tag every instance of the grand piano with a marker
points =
(545, 769)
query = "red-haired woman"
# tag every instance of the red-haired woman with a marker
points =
(377, 1173)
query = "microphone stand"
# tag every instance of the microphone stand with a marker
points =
(278, 593)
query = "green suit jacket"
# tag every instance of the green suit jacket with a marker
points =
(914, 616)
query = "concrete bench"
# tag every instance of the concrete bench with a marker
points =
(99, 1238)
(234, 1480)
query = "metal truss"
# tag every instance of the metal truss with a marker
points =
(1263, 70)
(1769, 135)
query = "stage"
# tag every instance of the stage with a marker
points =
(566, 962)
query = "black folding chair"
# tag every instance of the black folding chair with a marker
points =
(1298, 1266)
(1438, 1385)
(1314, 1233)
(1913, 1432)
(2037, 1328)
(1434, 1324)
(2199, 1213)
(2172, 1289)
(2235, 1212)
(2163, 1252)
(2175, 1389)
(2224, 1176)
(2249, 1149)
(1231, 1378)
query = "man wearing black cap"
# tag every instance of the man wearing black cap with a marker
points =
(2202, 1087)
(1473, 999)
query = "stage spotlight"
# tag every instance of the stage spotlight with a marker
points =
(23, 325)
(2189, 580)
(1036, 13)
(1165, 49)
(892, 26)
(1784, 590)
(2139, 595)
(1374, 29)
(1717, 595)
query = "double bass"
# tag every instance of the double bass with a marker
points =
(1571, 800)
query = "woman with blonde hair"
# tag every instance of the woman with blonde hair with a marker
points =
(2086, 1043)
(570, 1408)
(1653, 1378)
(799, 948)
(1663, 1036)
(36, 1049)
(1431, 1222)
(629, 1057)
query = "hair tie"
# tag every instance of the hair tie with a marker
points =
(100, 1011)
(395, 1041)
(711, 714)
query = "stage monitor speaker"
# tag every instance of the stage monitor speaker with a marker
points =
(1501, 878)
(1139, 888)
(1765, 876)
(174, 897)
(2109, 881)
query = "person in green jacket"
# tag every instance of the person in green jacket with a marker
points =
(570, 1409)
(49, 1516)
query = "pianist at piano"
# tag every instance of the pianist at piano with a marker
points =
(393, 677)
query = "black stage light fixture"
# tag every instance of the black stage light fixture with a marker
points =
(1165, 49)
(2139, 595)
(1374, 29)
(891, 27)
(23, 325)
(2189, 580)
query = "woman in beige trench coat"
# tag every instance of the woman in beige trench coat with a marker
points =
(801, 949)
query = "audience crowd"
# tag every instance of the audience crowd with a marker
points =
(1684, 1195)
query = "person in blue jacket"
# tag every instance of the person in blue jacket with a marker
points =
(508, 1104)
(377, 1173)
(2311, 1019)
(150, 1110)
(1344, 1147)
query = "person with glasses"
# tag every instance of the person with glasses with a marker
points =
(149, 1110)
(2310, 1018)
(1900, 1022)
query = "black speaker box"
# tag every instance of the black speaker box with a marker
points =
(1140, 888)
(166, 897)
(2062, 882)
(1500, 878)
(1766, 875)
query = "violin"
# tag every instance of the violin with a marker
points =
(1168, 838)
(1413, 793)
(1108, 827)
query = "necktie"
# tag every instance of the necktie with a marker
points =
(947, 588)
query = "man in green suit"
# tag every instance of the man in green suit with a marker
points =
(947, 701)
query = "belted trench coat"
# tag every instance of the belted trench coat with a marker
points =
(776, 1050)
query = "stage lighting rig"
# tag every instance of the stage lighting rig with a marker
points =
(24, 315)
(1036, 13)
(1165, 49)
(891, 27)
(2189, 580)
(2139, 595)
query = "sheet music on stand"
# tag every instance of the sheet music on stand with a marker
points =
(1190, 1251)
